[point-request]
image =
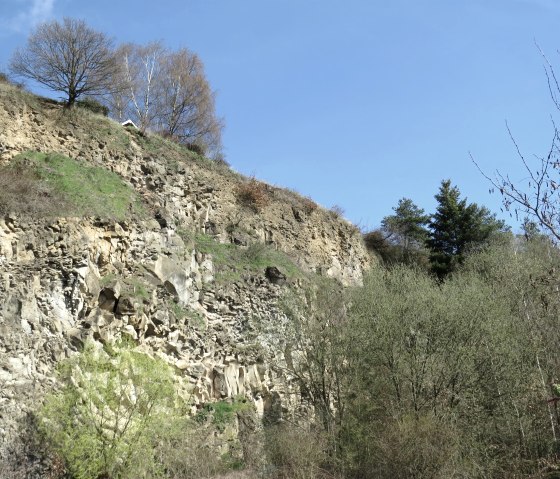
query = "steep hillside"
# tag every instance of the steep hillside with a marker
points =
(109, 233)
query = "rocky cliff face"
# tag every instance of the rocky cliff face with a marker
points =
(188, 281)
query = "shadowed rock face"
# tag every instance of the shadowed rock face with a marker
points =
(274, 275)
(64, 281)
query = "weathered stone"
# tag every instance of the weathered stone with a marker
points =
(56, 290)
(107, 299)
(125, 305)
(182, 364)
(274, 275)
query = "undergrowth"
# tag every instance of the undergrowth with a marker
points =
(222, 413)
(187, 315)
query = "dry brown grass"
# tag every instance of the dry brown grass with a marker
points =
(297, 453)
(245, 474)
(21, 192)
(253, 194)
(309, 206)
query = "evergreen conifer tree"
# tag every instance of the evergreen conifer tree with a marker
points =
(455, 227)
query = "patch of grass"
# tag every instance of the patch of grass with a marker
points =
(196, 320)
(15, 94)
(191, 317)
(231, 262)
(154, 144)
(81, 190)
(137, 288)
(96, 127)
(93, 105)
(116, 135)
(222, 412)
(178, 311)
(174, 153)
(107, 280)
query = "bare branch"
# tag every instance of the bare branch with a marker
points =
(67, 57)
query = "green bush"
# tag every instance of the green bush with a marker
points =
(222, 412)
(110, 412)
(377, 243)
(414, 377)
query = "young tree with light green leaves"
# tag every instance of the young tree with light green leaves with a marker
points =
(114, 405)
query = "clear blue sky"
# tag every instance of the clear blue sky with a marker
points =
(357, 102)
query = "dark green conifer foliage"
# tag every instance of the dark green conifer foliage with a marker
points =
(457, 226)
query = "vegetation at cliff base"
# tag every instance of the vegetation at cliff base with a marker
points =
(107, 417)
(412, 376)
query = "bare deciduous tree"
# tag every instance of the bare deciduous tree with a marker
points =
(186, 109)
(139, 76)
(69, 57)
(538, 195)
(166, 92)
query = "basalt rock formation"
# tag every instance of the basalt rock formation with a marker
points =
(195, 279)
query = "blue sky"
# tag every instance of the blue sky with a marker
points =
(357, 102)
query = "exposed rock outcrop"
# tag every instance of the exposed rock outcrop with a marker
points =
(66, 280)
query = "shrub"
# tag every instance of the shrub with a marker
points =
(423, 447)
(93, 105)
(190, 454)
(253, 194)
(336, 211)
(109, 412)
(376, 242)
(296, 453)
(21, 191)
(196, 148)
(309, 206)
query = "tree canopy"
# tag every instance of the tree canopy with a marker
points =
(406, 229)
(68, 57)
(167, 92)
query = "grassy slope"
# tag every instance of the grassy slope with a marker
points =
(55, 185)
